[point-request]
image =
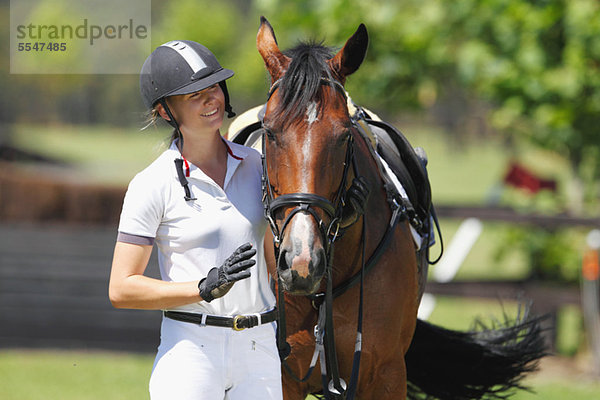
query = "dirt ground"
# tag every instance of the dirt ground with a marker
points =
(579, 368)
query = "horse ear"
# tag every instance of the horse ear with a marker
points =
(349, 58)
(275, 61)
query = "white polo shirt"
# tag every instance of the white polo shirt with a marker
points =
(194, 236)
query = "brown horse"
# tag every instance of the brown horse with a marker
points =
(312, 149)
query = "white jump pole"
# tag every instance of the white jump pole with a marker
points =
(467, 234)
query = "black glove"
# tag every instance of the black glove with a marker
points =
(219, 280)
(356, 200)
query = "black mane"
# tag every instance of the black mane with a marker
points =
(301, 83)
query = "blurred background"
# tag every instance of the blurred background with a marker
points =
(504, 96)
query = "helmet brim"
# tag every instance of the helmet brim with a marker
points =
(203, 83)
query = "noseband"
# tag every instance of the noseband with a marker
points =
(307, 202)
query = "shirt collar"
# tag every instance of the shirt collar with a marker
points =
(235, 150)
(236, 154)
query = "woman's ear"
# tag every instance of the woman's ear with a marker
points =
(162, 112)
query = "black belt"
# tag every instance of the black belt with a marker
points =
(237, 323)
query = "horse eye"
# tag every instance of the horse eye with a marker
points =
(269, 132)
(345, 137)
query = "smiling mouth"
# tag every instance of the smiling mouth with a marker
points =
(210, 114)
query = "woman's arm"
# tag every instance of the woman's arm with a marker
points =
(129, 288)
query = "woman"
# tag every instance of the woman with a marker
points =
(200, 203)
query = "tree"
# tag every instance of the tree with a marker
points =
(539, 63)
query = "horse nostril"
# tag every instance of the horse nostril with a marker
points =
(283, 263)
(319, 262)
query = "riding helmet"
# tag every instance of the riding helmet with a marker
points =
(181, 67)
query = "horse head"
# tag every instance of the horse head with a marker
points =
(307, 149)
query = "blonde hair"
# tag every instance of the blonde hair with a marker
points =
(151, 118)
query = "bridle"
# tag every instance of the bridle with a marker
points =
(333, 385)
(307, 202)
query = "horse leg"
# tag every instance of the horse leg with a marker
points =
(390, 382)
(301, 320)
(292, 390)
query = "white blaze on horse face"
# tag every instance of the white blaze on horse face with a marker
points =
(302, 236)
(312, 114)
(311, 117)
(306, 168)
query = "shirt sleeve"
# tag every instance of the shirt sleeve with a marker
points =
(142, 211)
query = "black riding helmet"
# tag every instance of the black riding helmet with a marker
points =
(181, 67)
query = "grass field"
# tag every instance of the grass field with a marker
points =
(67, 375)
(463, 173)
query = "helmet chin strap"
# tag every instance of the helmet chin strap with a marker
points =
(228, 108)
(178, 161)
(173, 122)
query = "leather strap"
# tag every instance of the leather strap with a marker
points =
(237, 323)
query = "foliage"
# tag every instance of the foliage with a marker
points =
(539, 63)
(397, 72)
(552, 255)
(229, 32)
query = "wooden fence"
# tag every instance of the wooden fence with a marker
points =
(54, 291)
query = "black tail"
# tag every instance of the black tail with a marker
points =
(484, 363)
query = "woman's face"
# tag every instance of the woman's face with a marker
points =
(199, 111)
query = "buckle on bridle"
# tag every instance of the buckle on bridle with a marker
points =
(333, 235)
(237, 319)
(316, 300)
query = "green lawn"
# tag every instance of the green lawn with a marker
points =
(95, 153)
(68, 375)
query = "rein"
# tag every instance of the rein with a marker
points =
(333, 385)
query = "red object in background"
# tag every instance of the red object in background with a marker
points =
(519, 177)
(591, 265)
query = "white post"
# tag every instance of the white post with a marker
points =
(467, 234)
(590, 296)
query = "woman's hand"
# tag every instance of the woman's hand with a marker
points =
(220, 280)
